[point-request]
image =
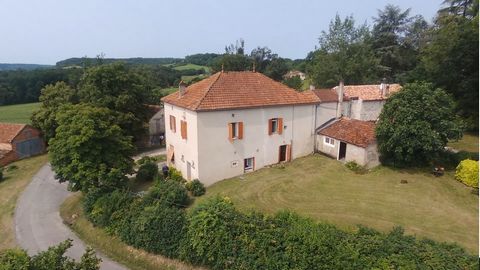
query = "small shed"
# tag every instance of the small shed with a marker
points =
(19, 141)
(349, 140)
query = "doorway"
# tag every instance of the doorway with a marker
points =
(282, 155)
(342, 151)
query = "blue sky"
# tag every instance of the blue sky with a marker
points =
(47, 31)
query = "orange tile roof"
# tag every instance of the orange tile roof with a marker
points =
(9, 131)
(369, 92)
(356, 132)
(328, 95)
(238, 89)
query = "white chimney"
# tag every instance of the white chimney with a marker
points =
(181, 88)
(340, 99)
(384, 88)
(312, 87)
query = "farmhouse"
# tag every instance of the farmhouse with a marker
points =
(236, 122)
(19, 141)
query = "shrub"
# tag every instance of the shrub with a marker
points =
(175, 175)
(147, 171)
(195, 187)
(158, 229)
(168, 192)
(108, 208)
(14, 259)
(145, 160)
(353, 166)
(467, 173)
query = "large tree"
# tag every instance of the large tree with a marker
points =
(416, 124)
(90, 149)
(345, 53)
(120, 89)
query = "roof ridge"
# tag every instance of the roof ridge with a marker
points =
(208, 89)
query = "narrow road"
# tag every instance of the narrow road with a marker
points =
(38, 224)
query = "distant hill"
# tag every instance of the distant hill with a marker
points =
(5, 66)
(76, 61)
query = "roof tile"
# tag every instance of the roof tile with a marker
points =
(9, 131)
(356, 132)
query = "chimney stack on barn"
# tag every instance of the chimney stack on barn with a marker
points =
(384, 88)
(181, 88)
(340, 93)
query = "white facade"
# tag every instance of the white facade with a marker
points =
(366, 110)
(208, 154)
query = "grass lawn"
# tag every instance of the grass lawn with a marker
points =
(18, 113)
(192, 66)
(322, 188)
(469, 142)
(15, 181)
(110, 245)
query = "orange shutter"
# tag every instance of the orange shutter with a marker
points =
(240, 130)
(289, 152)
(230, 132)
(280, 125)
(170, 122)
(269, 126)
(183, 129)
(174, 124)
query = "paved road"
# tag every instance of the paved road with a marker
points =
(38, 224)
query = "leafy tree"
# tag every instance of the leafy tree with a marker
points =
(237, 48)
(53, 97)
(232, 62)
(262, 56)
(120, 89)
(90, 149)
(294, 82)
(345, 53)
(416, 124)
(276, 69)
(202, 59)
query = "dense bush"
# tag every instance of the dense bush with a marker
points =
(109, 208)
(53, 258)
(147, 171)
(467, 172)
(355, 167)
(168, 192)
(195, 187)
(175, 175)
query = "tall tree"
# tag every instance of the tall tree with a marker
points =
(345, 53)
(416, 124)
(89, 149)
(262, 56)
(232, 62)
(237, 48)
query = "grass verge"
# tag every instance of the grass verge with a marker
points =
(110, 245)
(16, 177)
(440, 208)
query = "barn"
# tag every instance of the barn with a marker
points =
(19, 141)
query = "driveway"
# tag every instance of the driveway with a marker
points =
(38, 224)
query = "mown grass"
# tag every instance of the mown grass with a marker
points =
(440, 208)
(192, 66)
(20, 113)
(110, 245)
(16, 177)
(469, 142)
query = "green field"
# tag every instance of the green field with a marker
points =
(440, 208)
(192, 66)
(20, 113)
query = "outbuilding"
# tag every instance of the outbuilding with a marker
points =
(349, 140)
(19, 141)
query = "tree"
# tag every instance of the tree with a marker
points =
(237, 48)
(294, 82)
(232, 62)
(53, 97)
(120, 89)
(276, 69)
(262, 56)
(90, 149)
(416, 124)
(344, 54)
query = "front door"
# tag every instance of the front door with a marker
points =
(189, 171)
(282, 155)
(342, 151)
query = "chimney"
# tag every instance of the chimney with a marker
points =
(181, 88)
(340, 99)
(312, 87)
(384, 88)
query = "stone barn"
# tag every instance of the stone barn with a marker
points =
(349, 140)
(19, 141)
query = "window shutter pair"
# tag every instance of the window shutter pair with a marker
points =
(279, 126)
(183, 129)
(239, 134)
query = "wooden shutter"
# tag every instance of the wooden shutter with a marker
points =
(173, 125)
(230, 132)
(269, 126)
(289, 152)
(280, 125)
(183, 129)
(240, 130)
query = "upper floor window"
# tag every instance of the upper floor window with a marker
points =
(275, 125)
(235, 131)
(329, 141)
(173, 126)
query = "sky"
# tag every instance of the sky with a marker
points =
(47, 31)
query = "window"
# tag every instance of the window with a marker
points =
(183, 129)
(275, 125)
(329, 141)
(235, 131)
(249, 164)
(173, 126)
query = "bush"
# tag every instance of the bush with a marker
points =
(175, 175)
(147, 171)
(168, 192)
(467, 173)
(195, 187)
(109, 208)
(353, 166)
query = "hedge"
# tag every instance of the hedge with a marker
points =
(467, 172)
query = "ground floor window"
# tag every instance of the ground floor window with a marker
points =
(249, 164)
(329, 141)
